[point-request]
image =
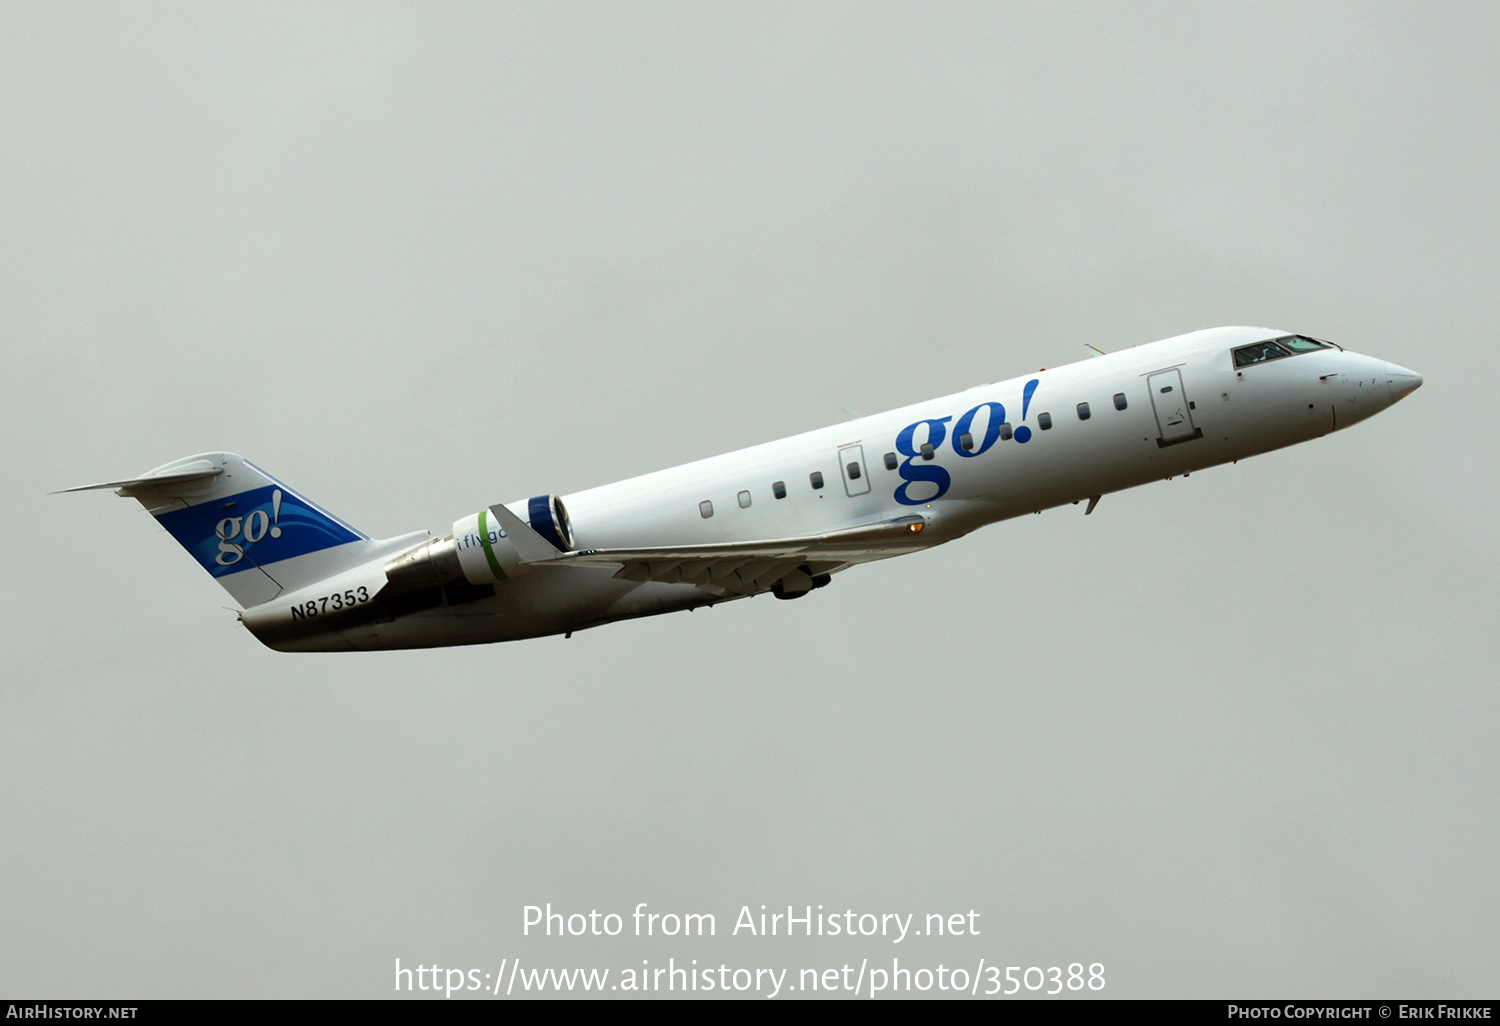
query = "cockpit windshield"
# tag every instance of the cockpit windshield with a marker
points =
(1275, 349)
(1301, 343)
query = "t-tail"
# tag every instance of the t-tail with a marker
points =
(256, 536)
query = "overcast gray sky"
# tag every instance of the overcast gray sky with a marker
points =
(1230, 735)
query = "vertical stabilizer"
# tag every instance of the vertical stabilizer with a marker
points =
(256, 536)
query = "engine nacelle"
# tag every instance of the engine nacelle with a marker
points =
(486, 555)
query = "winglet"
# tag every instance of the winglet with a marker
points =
(529, 545)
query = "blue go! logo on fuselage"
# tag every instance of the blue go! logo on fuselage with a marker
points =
(917, 469)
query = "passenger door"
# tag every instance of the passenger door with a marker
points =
(1174, 415)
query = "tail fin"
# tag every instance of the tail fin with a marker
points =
(255, 535)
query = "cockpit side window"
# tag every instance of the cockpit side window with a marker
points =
(1258, 353)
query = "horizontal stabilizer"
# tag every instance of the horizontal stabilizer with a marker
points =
(198, 470)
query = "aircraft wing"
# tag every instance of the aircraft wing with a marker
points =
(728, 567)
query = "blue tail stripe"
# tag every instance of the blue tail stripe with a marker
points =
(309, 503)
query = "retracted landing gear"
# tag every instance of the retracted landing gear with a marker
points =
(799, 582)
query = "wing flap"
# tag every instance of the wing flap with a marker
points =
(887, 538)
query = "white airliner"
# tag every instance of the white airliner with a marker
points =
(780, 517)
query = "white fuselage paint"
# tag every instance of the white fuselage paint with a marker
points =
(1239, 412)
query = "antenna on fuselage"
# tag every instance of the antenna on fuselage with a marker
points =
(1095, 349)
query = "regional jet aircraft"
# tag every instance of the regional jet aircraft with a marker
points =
(782, 517)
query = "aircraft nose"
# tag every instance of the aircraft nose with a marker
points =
(1402, 382)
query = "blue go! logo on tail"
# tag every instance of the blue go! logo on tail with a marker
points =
(254, 528)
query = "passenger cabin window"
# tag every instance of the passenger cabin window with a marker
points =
(1259, 353)
(890, 461)
(744, 498)
(1120, 403)
(1005, 432)
(778, 489)
(1044, 421)
(967, 441)
(1083, 411)
(928, 452)
(853, 470)
(705, 509)
(816, 477)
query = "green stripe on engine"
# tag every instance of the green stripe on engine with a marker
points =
(489, 553)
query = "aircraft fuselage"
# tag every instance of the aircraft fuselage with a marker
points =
(784, 515)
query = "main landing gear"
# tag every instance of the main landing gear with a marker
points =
(798, 583)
